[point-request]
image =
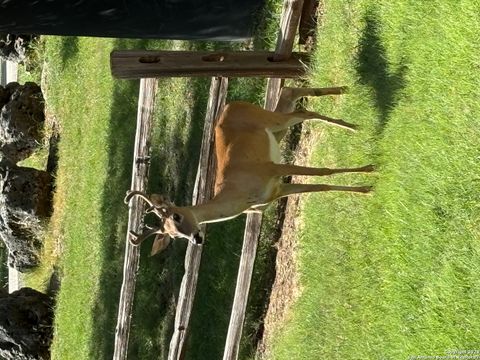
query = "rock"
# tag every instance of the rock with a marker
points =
(14, 47)
(26, 318)
(21, 120)
(25, 204)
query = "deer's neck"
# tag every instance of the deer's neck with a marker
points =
(216, 210)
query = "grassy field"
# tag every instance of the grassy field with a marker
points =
(382, 277)
(396, 274)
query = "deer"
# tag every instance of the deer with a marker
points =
(249, 172)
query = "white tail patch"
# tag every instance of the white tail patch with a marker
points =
(275, 155)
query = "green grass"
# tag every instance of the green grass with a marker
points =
(394, 274)
(385, 277)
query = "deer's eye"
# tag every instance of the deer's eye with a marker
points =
(177, 217)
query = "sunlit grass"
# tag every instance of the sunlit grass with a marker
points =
(394, 274)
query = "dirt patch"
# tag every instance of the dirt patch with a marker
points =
(286, 287)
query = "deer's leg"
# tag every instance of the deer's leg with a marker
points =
(289, 189)
(286, 169)
(289, 96)
(284, 121)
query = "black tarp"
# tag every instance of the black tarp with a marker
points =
(163, 19)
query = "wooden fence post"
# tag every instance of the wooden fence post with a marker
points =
(141, 166)
(203, 191)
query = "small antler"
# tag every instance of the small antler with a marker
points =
(137, 239)
(155, 206)
(161, 241)
(132, 193)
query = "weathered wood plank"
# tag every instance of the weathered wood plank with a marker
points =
(141, 166)
(308, 20)
(244, 278)
(292, 10)
(203, 191)
(288, 29)
(133, 64)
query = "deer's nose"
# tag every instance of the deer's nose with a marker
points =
(198, 238)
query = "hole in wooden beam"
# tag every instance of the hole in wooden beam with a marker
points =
(214, 57)
(276, 58)
(149, 59)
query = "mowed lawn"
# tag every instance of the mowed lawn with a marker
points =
(382, 277)
(395, 274)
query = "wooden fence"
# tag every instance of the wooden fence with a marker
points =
(202, 192)
(141, 166)
(147, 64)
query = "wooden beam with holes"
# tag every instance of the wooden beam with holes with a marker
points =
(135, 64)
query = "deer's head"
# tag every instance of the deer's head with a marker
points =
(175, 221)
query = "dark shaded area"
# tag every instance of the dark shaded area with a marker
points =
(15, 47)
(216, 286)
(374, 69)
(124, 111)
(69, 48)
(52, 160)
(141, 19)
(26, 331)
(26, 203)
(308, 22)
(54, 283)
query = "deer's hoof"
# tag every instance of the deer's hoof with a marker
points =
(369, 168)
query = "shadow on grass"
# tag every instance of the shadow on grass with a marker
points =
(374, 69)
(114, 216)
(120, 146)
(69, 48)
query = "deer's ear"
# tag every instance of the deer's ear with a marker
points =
(160, 243)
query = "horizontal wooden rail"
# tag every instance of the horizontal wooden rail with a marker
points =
(134, 64)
